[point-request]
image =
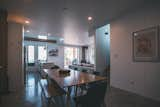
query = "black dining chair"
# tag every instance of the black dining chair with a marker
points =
(75, 68)
(55, 67)
(94, 96)
(84, 70)
(96, 73)
(51, 91)
(81, 87)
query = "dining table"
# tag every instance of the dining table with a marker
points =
(72, 78)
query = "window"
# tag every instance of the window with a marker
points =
(71, 55)
(91, 54)
(42, 53)
(30, 54)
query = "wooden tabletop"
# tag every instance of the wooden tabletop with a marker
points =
(73, 78)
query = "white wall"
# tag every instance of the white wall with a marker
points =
(137, 77)
(58, 60)
(73, 31)
(102, 44)
(15, 70)
(74, 39)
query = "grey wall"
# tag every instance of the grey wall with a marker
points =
(138, 77)
(15, 61)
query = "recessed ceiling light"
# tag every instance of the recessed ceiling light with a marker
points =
(27, 22)
(90, 18)
(27, 31)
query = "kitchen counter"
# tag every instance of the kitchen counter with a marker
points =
(83, 67)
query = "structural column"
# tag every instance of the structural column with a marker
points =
(3, 52)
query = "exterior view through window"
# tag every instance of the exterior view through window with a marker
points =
(42, 53)
(31, 54)
(71, 56)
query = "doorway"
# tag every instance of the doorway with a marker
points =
(33, 56)
(71, 56)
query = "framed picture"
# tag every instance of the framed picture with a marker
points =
(146, 45)
(53, 52)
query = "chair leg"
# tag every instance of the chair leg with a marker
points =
(103, 104)
(76, 104)
(47, 102)
(0, 98)
(43, 100)
(62, 99)
(76, 88)
(54, 101)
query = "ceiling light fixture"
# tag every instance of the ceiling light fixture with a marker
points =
(27, 31)
(90, 18)
(27, 22)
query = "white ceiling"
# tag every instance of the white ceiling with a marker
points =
(68, 17)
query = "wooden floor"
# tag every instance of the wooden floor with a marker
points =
(31, 97)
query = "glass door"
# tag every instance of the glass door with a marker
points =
(35, 54)
(71, 56)
(31, 55)
(42, 53)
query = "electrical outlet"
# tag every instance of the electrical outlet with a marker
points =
(1, 67)
(132, 82)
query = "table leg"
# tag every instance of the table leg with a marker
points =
(69, 89)
(76, 90)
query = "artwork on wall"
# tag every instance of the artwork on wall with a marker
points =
(53, 52)
(146, 45)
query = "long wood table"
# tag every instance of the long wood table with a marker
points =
(73, 78)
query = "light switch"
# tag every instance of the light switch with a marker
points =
(116, 55)
(1, 67)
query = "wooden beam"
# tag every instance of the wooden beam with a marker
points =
(39, 40)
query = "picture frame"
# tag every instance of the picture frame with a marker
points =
(53, 52)
(146, 45)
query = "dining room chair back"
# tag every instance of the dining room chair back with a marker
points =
(94, 96)
(97, 91)
(51, 91)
